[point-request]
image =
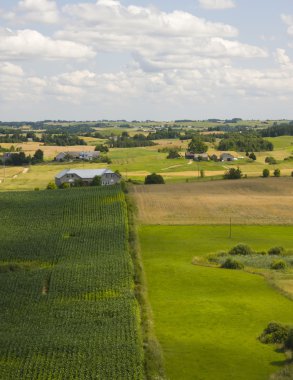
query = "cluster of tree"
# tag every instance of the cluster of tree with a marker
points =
(244, 142)
(285, 129)
(168, 133)
(16, 137)
(101, 148)
(125, 141)
(64, 139)
(266, 173)
(251, 155)
(173, 153)
(197, 145)
(19, 159)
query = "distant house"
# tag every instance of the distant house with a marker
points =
(227, 157)
(108, 177)
(201, 157)
(89, 156)
(189, 155)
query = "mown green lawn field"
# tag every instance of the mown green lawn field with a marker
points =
(208, 320)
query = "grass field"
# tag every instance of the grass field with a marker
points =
(136, 163)
(67, 305)
(208, 320)
(247, 201)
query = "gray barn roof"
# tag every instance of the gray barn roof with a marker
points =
(84, 173)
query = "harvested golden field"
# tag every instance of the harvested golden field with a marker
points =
(247, 201)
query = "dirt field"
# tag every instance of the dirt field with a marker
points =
(248, 201)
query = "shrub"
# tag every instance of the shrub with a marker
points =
(278, 265)
(233, 173)
(173, 153)
(262, 253)
(241, 249)
(266, 173)
(154, 179)
(36, 189)
(214, 257)
(270, 160)
(232, 264)
(291, 174)
(51, 186)
(97, 181)
(202, 173)
(289, 340)
(277, 251)
(252, 156)
(275, 333)
(64, 185)
(277, 173)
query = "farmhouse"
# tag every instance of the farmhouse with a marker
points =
(89, 156)
(227, 157)
(189, 155)
(201, 157)
(108, 177)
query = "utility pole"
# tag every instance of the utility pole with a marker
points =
(4, 167)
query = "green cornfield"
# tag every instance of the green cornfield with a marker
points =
(67, 304)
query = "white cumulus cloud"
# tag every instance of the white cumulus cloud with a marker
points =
(36, 11)
(27, 43)
(217, 4)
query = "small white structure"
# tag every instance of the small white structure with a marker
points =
(108, 177)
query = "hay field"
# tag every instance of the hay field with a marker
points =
(248, 201)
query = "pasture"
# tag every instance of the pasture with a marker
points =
(68, 309)
(207, 319)
(247, 201)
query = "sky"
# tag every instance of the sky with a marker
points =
(146, 60)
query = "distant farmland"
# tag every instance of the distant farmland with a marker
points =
(68, 309)
(249, 201)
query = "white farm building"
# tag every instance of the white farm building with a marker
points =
(108, 177)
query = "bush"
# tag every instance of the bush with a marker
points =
(97, 181)
(173, 153)
(233, 173)
(241, 250)
(277, 251)
(252, 156)
(154, 179)
(51, 186)
(291, 174)
(270, 160)
(266, 173)
(277, 173)
(232, 264)
(64, 185)
(278, 265)
(289, 340)
(275, 333)
(214, 257)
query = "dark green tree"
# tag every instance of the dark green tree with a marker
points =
(97, 181)
(277, 173)
(233, 173)
(266, 173)
(196, 145)
(153, 179)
